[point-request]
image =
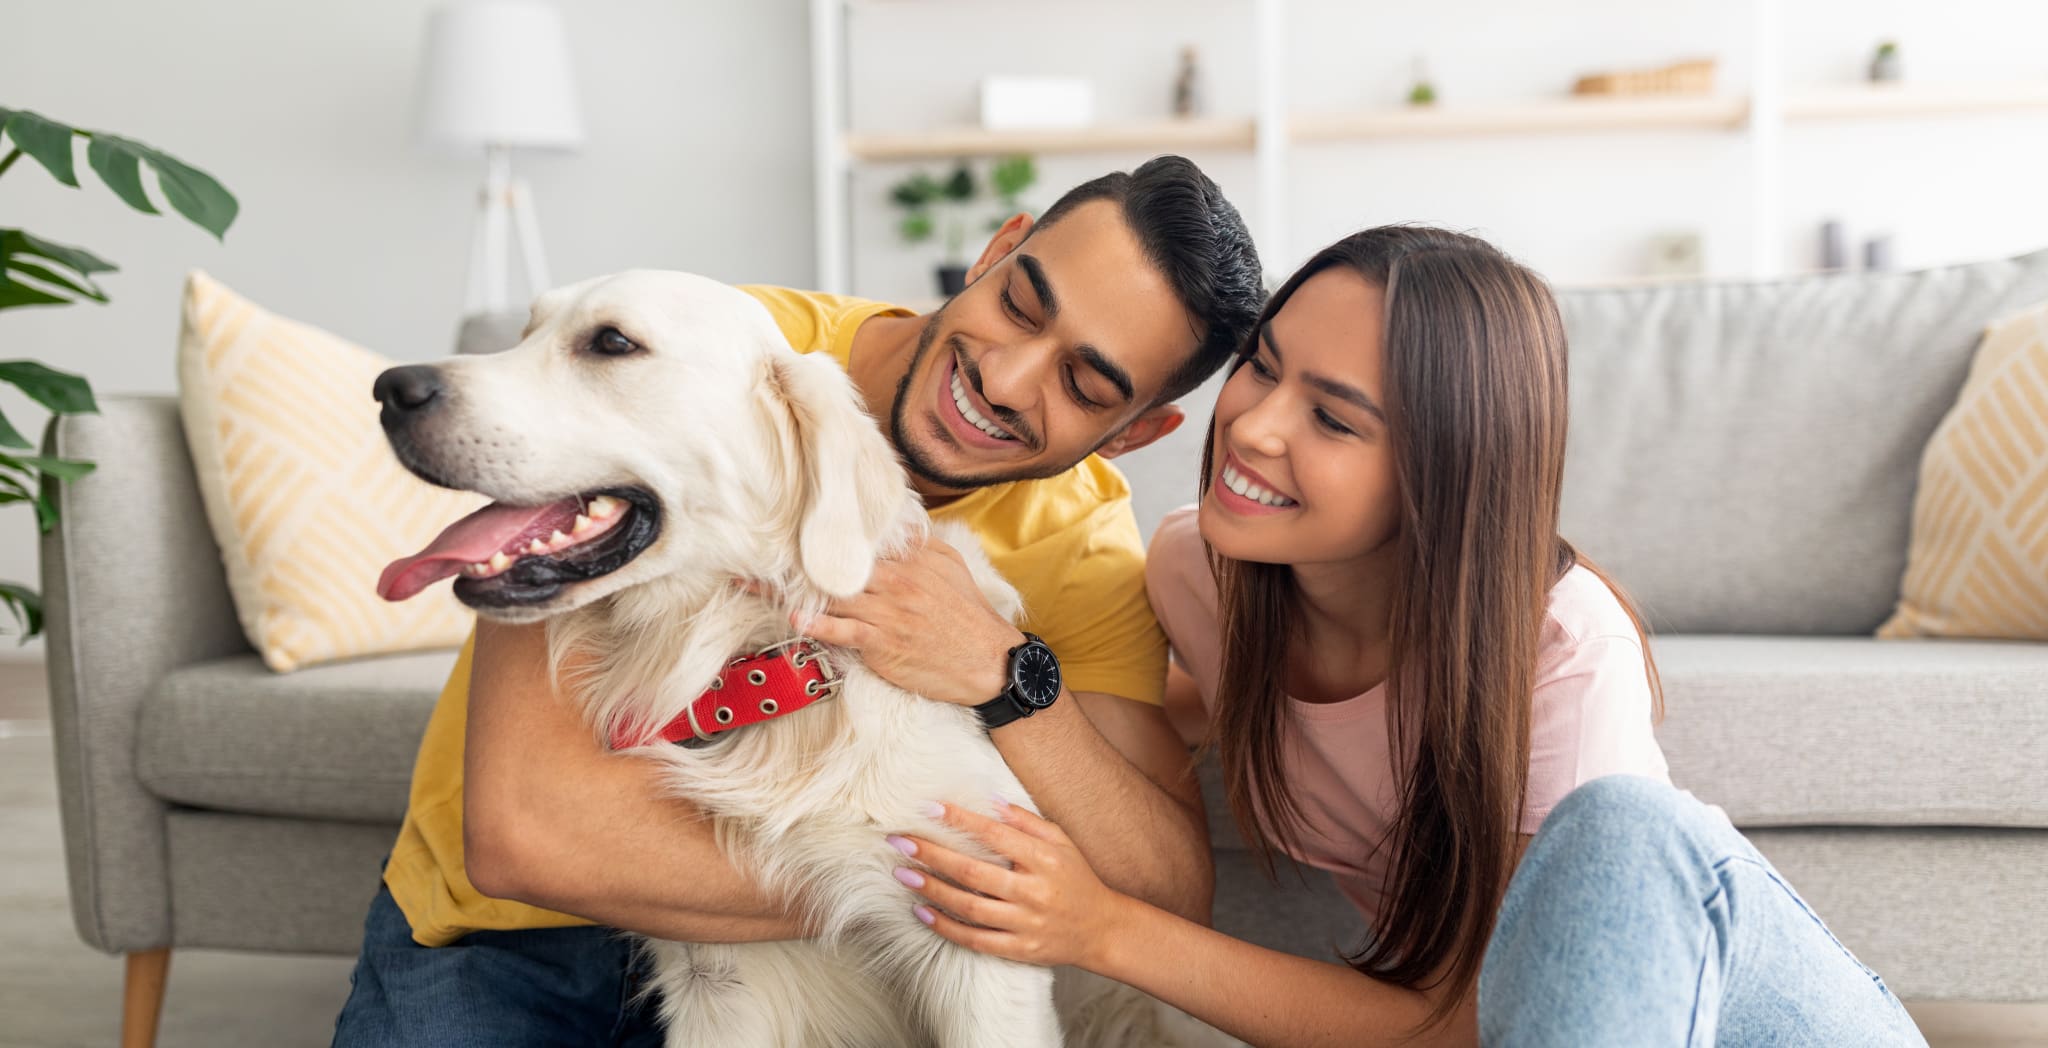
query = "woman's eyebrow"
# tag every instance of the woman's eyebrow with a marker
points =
(1348, 393)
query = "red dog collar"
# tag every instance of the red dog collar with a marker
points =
(773, 682)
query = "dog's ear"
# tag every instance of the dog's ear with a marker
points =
(852, 487)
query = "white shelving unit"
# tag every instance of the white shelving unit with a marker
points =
(837, 148)
(1761, 113)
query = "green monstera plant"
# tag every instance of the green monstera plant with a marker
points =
(39, 272)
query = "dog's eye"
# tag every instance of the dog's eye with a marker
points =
(610, 343)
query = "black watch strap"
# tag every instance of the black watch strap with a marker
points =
(1000, 710)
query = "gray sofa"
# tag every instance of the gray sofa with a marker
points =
(1743, 458)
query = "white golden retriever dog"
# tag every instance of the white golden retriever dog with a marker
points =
(651, 442)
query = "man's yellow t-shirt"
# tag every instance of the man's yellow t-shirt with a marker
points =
(1068, 543)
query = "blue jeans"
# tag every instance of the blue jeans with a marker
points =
(1640, 917)
(547, 986)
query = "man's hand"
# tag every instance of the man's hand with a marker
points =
(924, 626)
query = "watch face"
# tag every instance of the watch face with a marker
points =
(1036, 675)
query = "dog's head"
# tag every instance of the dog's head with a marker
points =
(648, 425)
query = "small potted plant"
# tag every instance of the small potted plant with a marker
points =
(1009, 178)
(1422, 92)
(929, 203)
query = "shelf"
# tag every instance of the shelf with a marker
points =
(974, 141)
(1910, 99)
(1713, 112)
(1551, 116)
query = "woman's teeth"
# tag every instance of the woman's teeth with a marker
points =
(1236, 481)
(973, 417)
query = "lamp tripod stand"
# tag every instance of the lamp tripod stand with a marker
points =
(505, 210)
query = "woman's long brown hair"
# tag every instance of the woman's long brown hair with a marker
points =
(1475, 395)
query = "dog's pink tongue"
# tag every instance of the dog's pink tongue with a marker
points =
(471, 540)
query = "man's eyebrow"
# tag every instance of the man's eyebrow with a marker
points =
(1039, 285)
(1349, 394)
(1107, 368)
(1089, 355)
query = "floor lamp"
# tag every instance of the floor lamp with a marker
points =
(496, 77)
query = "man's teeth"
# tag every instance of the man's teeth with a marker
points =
(1236, 481)
(602, 508)
(972, 416)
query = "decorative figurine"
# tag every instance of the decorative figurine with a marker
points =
(1187, 87)
(1834, 246)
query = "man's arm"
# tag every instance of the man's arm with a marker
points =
(553, 819)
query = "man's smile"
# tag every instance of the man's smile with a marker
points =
(966, 416)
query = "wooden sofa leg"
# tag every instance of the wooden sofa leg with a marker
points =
(142, 1001)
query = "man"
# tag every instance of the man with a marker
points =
(1073, 337)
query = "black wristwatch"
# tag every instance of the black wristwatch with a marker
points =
(1034, 684)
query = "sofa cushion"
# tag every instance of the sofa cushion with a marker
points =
(331, 742)
(303, 492)
(1978, 566)
(1743, 455)
(1783, 731)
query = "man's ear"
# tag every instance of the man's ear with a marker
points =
(1008, 236)
(1146, 428)
(853, 488)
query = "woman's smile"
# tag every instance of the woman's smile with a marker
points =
(1238, 489)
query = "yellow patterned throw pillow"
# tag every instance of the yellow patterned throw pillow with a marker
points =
(1978, 566)
(305, 498)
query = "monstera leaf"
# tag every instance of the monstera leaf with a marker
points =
(38, 272)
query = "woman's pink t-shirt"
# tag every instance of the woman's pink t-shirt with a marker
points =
(1592, 713)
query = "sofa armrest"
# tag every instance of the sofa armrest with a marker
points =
(133, 587)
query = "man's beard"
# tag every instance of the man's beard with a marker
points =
(914, 458)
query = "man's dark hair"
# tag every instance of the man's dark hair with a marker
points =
(1198, 240)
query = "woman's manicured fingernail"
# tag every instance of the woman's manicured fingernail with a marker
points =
(924, 913)
(1001, 804)
(902, 844)
(934, 810)
(910, 878)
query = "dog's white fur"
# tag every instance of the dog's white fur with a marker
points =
(767, 468)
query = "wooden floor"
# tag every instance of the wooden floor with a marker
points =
(55, 991)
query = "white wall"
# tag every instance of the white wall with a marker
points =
(698, 157)
(699, 120)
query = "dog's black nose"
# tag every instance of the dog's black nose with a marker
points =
(406, 390)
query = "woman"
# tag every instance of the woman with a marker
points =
(1412, 682)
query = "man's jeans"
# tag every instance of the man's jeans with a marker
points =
(548, 986)
(1639, 916)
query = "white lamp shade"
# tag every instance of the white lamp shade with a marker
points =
(496, 73)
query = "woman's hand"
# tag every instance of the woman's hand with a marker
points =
(1047, 908)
